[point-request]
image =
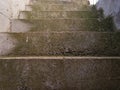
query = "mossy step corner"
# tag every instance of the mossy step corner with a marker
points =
(60, 73)
(64, 43)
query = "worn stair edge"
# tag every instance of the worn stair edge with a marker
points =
(60, 58)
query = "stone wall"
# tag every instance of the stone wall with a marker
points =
(5, 15)
(18, 5)
(10, 9)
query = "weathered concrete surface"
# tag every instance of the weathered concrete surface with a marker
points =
(55, 7)
(80, 2)
(4, 24)
(60, 17)
(82, 24)
(61, 24)
(7, 43)
(60, 74)
(66, 43)
(57, 14)
(20, 25)
(62, 5)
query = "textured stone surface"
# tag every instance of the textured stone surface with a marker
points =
(80, 2)
(20, 25)
(60, 74)
(7, 44)
(61, 37)
(62, 5)
(62, 24)
(57, 14)
(61, 16)
(67, 7)
(82, 24)
(67, 43)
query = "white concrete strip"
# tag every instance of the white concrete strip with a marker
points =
(60, 58)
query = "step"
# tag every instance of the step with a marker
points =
(54, 2)
(65, 43)
(20, 25)
(57, 14)
(56, 7)
(84, 24)
(60, 73)
(32, 2)
(56, 25)
(28, 8)
(79, 2)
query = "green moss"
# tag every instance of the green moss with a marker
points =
(105, 24)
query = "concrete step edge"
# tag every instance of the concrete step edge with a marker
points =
(61, 58)
(54, 3)
(40, 32)
(60, 11)
(56, 19)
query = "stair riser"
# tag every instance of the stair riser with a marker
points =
(84, 2)
(53, 2)
(58, 7)
(65, 25)
(20, 26)
(32, 2)
(28, 8)
(67, 43)
(49, 74)
(56, 25)
(57, 14)
(7, 43)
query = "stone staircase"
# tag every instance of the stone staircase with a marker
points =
(60, 45)
(67, 28)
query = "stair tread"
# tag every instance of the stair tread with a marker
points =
(65, 73)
